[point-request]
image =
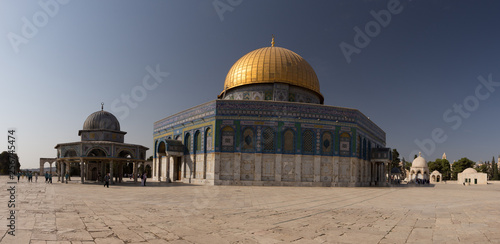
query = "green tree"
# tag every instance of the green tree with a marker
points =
(5, 163)
(434, 165)
(461, 165)
(494, 167)
(441, 165)
(484, 168)
(446, 169)
(395, 159)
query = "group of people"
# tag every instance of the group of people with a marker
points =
(421, 181)
(107, 178)
(27, 174)
(48, 177)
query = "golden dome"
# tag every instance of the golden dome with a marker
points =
(270, 65)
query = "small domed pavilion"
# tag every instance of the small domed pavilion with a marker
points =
(419, 169)
(101, 150)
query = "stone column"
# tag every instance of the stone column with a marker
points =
(82, 171)
(380, 171)
(160, 163)
(63, 171)
(120, 172)
(58, 170)
(167, 175)
(112, 181)
(373, 175)
(135, 171)
(68, 168)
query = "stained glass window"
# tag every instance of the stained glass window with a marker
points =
(268, 139)
(308, 142)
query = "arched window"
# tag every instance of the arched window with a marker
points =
(288, 141)
(197, 141)
(327, 143)
(268, 140)
(345, 144)
(208, 139)
(308, 142)
(248, 140)
(187, 143)
(227, 139)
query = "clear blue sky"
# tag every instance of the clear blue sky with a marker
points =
(426, 59)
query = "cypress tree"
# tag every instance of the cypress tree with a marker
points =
(494, 166)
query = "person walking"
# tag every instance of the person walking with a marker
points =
(18, 176)
(144, 177)
(46, 177)
(50, 178)
(106, 180)
(67, 177)
(36, 177)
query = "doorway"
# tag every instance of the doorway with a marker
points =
(177, 168)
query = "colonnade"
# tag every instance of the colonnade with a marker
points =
(63, 168)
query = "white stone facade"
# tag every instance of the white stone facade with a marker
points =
(221, 168)
(471, 177)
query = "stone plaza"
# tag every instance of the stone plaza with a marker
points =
(185, 213)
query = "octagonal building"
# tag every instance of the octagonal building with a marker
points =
(269, 126)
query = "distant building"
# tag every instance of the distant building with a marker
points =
(419, 169)
(471, 177)
(101, 147)
(436, 177)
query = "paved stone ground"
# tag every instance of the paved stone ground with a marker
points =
(128, 213)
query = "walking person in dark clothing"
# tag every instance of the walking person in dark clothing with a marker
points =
(106, 180)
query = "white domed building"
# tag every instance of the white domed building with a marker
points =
(471, 177)
(419, 169)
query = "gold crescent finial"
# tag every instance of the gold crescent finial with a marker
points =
(102, 106)
(272, 42)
